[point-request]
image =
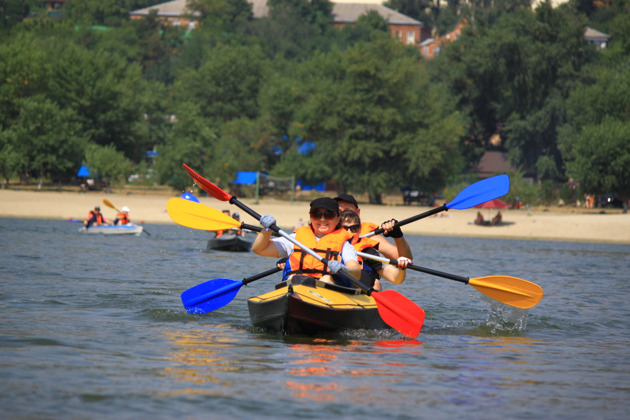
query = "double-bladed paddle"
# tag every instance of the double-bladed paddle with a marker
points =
(110, 205)
(474, 194)
(395, 309)
(509, 290)
(198, 216)
(216, 293)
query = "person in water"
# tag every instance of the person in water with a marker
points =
(372, 270)
(324, 235)
(95, 218)
(123, 217)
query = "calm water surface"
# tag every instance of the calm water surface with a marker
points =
(93, 327)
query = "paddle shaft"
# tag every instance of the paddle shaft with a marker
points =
(261, 275)
(409, 220)
(461, 279)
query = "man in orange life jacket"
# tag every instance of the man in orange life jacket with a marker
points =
(393, 252)
(123, 217)
(324, 235)
(95, 218)
(372, 270)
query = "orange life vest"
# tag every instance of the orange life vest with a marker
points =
(367, 227)
(123, 218)
(98, 218)
(328, 247)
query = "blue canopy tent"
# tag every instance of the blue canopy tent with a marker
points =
(83, 172)
(268, 182)
(248, 178)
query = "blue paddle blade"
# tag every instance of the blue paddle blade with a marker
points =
(480, 192)
(211, 295)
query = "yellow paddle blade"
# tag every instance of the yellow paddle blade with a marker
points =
(197, 216)
(509, 290)
(109, 204)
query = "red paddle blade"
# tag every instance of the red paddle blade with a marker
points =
(399, 312)
(207, 186)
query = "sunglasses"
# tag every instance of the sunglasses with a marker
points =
(353, 228)
(328, 215)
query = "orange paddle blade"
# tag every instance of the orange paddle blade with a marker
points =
(197, 216)
(207, 186)
(109, 204)
(399, 312)
(509, 290)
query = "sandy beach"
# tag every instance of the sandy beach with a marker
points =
(564, 224)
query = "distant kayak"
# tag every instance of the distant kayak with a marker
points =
(129, 229)
(231, 241)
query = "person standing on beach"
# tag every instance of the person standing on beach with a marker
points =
(393, 252)
(95, 218)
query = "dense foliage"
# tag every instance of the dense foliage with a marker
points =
(292, 95)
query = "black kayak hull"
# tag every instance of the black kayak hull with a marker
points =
(231, 242)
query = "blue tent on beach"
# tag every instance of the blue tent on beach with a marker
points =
(83, 171)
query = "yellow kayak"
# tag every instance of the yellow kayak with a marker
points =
(304, 305)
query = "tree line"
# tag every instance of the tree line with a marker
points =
(292, 95)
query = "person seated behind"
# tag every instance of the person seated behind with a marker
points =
(401, 247)
(324, 235)
(372, 270)
(479, 220)
(496, 219)
(221, 232)
(123, 217)
(237, 217)
(95, 218)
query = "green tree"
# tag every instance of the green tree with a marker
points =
(190, 140)
(295, 28)
(10, 160)
(512, 77)
(13, 11)
(600, 159)
(594, 141)
(377, 122)
(47, 139)
(24, 72)
(104, 90)
(227, 84)
(110, 164)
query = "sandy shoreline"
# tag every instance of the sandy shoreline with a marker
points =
(611, 227)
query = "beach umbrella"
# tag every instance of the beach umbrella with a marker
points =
(493, 204)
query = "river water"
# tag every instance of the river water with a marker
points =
(93, 327)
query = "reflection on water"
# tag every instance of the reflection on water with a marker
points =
(325, 366)
(199, 357)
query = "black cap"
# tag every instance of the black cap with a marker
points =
(325, 203)
(97, 208)
(348, 198)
